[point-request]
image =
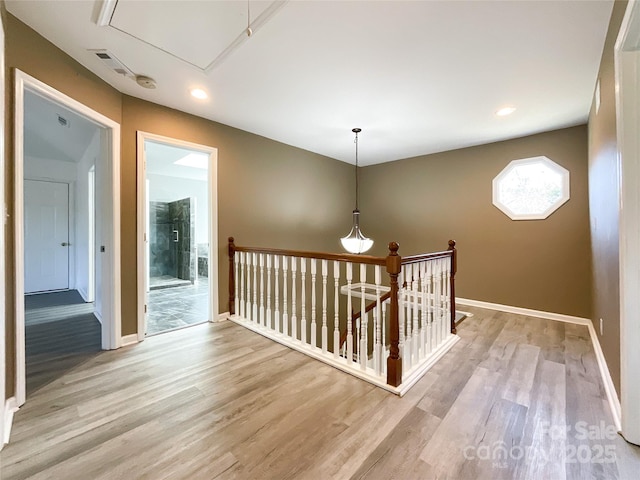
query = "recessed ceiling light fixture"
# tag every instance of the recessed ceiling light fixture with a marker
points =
(503, 112)
(199, 93)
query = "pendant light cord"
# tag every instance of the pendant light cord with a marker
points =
(356, 142)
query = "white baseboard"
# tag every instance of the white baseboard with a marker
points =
(607, 381)
(129, 340)
(10, 407)
(609, 387)
(224, 316)
(524, 311)
(83, 294)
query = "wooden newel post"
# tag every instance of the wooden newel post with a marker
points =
(232, 276)
(394, 362)
(454, 269)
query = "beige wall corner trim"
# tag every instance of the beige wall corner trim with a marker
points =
(560, 317)
(224, 316)
(627, 63)
(129, 340)
(10, 407)
(607, 381)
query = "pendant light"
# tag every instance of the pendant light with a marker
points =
(356, 242)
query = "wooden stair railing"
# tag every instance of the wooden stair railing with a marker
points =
(393, 263)
(356, 316)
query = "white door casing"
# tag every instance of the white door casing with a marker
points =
(46, 236)
(627, 75)
(110, 210)
(142, 223)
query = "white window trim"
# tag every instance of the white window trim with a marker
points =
(566, 193)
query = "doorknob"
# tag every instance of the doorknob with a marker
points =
(65, 244)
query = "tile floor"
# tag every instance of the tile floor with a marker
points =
(177, 307)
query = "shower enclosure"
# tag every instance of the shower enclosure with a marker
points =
(172, 248)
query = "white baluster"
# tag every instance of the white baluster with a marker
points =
(254, 310)
(447, 268)
(336, 317)
(401, 319)
(294, 317)
(236, 303)
(421, 301)
(415, 287)
(408, 306)
(262, 321)
(325, 339)
(285, 317)
(445, 306)
(362, 350)
(431, 326)
(242, 289)
(268, 319)
(303, 300)
(424, 341)
(349, 314)
(384, 338)
(276, 274)
(314, 333)
(377, 336)
(249, 258)
(438, 312)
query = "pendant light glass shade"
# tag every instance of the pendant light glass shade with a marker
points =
(356, 242)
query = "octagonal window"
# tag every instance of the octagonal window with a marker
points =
(531, 188)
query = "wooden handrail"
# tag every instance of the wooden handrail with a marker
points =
(340, 257)
(426, 256)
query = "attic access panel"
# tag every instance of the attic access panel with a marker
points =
(196, 32)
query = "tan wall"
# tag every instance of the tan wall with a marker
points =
(29, 52)
(269, 194)
(541, 264)
(603, 203)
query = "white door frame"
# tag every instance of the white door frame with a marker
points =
(627, 69)
(142, 227)
(111, 314)
(5, 409)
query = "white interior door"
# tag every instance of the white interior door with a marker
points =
(46, 236)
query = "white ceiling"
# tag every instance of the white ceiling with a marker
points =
(46, 138)
(417, 76)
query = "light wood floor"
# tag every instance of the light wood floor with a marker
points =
(219, 402)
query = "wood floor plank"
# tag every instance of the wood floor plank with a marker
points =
(217, 401)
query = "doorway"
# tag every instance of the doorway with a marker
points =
(67, 229)
(177, 199)
(46, 235)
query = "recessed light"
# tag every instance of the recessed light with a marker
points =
(505, 111)
(199, 93)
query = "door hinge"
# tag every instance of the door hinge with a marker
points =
(145, 308)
